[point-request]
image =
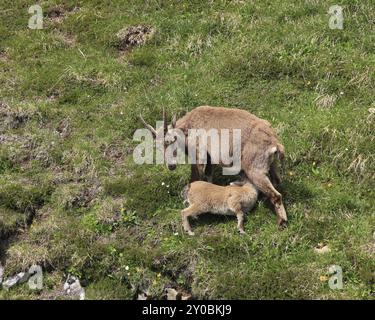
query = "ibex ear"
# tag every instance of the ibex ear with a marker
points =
(174, 120)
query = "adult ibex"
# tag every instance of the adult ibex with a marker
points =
(260, 148)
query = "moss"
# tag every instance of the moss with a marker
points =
(23, 197)
(108, 289)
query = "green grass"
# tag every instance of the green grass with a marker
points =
(73, 201)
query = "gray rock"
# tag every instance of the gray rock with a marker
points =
(66, 286)
(19, 278)
(142, 296)
(9, 283)
(23, 277)
(73, 288)
(1, 273)
(173, 294)
(186, 297)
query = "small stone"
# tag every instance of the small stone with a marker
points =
(66, 286)
(142, 296)
(323, 278)
(23, 277)
(20, 278)
(9, 283)
(1, 273)
(82, 295)
(172, 294)
(322, 249)
(73, 288)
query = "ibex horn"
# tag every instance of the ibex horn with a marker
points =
(165, 121)
(149, 127)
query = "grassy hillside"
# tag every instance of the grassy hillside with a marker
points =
(73, 201)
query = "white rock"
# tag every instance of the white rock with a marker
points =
(82, 295)
(66, 286)
(23, 277)
(173, 294)
(20, 278)
(142, 296)
(73, 287)
(9, 283)
(322, 249)
(1, 273)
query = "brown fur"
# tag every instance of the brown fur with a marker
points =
(259, 143)
(207, 197)
(260, 148)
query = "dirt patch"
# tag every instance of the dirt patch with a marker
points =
(175, 271)
(79, 196)
(53, 96)
(4, 57)
(110, 211)
(134, 36)
(5, 139)
(63, 129)
(57, 13)
(369, 248)
(325, 101)
(13, 118)
(114, 152)
(21, 150)
(68, 39)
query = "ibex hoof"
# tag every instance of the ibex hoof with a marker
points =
(191, 233)
(282, 223)
(242, 231)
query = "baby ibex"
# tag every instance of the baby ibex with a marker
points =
(234, 199)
